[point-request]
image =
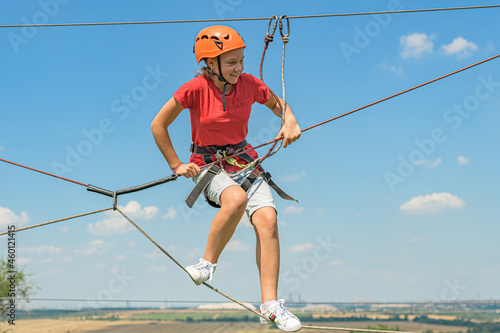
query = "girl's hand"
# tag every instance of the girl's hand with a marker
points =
(290, 132)
(188, 170)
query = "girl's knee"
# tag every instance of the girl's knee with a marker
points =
(234, 198)
(265, 219)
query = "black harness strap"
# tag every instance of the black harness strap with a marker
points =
(202, 184)
(259, 172)
(267, 177)
(208, 157)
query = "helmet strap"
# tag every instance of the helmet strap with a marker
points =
(219, 75)
(222, 79)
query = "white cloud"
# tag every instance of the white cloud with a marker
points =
(429, 163)
(459, 46)
(302, 247)
(117, 224)
(293, 210)
(415, 45)
(194, 253)
(155, 255)
(395, 69)
(97, 246)
(1, 149)
(64, 229)
(336, 263)
(292, 178)
(462, 160)
(8, 217)
(320, 211)
(100, 266)
(157, 269)
(237, 246)
(50, 272)
(171, 214)
(417, 239)
(119, 257)
(111, 226)
(432, 203)
(22, 261)
(133, 210)
(41, 249)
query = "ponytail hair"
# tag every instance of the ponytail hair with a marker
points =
(205, 70)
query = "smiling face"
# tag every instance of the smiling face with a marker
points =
(231, 65)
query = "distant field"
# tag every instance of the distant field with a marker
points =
(127, 326)
(193, 320)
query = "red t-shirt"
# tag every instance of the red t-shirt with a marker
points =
(210, 124)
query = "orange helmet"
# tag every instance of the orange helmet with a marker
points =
(215, 40)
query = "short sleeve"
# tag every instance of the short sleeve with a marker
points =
(261, 91)
(185, 94)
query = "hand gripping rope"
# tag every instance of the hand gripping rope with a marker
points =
(115, 194)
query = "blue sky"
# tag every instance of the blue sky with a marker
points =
(397, 202)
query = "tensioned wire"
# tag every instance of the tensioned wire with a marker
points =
(308, 128)
(249, 18)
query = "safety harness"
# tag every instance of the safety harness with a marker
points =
(213, 154)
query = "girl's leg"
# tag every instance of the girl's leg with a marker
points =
(233, 203)
(268, 251)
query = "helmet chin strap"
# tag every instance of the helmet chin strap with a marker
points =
(222, 79)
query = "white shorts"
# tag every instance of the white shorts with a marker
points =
(259, 194)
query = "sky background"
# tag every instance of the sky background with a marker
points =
(398, 202)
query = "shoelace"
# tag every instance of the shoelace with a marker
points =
(281, 311)
(207, 267)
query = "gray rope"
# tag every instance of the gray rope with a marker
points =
(55, 221)
(234, 300)
(179, 264)
(247, 19)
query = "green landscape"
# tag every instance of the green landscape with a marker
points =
(413, 317)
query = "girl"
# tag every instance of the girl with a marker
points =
(219, 100)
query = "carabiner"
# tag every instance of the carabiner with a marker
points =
(274, 27)
(287, 26)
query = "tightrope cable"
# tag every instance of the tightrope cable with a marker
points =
(235, 300)
(182, 267)
(245, 19)
(55, 221)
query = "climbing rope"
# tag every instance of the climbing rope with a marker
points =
(43, 172)
(55, 221)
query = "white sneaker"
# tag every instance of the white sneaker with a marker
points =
(201, 271)
(280, 315)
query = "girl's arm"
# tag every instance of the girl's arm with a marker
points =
(159, 127)
(290, 130)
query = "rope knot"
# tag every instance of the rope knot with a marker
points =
(284, 39)
(268, 39)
